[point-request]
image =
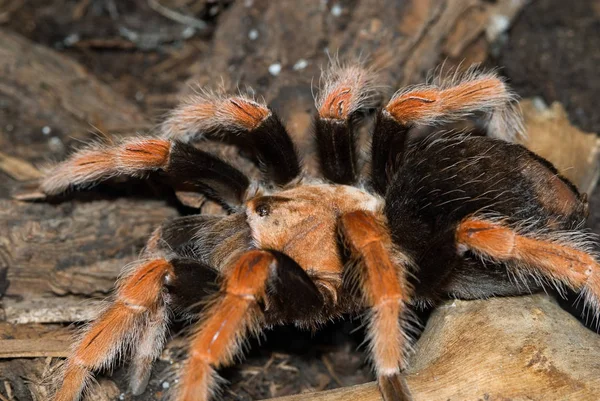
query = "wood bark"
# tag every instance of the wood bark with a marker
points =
(522, 348)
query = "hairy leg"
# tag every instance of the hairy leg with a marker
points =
(259, 284)
(347, 92)
(135, 322)
(560, 257)
(139, 295)
(381, 276)
(183, 164)
(247, 122)
(439, 103)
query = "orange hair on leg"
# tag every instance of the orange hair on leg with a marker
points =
(219, 336)
(461, 97)
(116, 328)
(346, 90)
(96, 163)
(552, 259)
(381, 277)
(208, 112)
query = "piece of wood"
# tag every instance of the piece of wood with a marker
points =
(18, 169)
(576, 154)
(73, 247)
(34, 341)
(47, 308)
(27, 380)
(46, 95)
(521, 348)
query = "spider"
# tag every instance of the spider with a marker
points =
(444, 215)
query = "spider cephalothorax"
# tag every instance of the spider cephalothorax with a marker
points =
(440, 216)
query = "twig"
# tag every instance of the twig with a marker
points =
(80, 9)
(110, 43)
(362, 392)
(176, 16)
(331, 370)
(18, 169)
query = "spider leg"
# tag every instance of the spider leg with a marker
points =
(148, 348)
(565, 262)
(257, 278)
(381, 276)
(433, 104)
(252, 125)
(181, 237)
(347, 92)
(182, 163)
(135, 322)
(117, 327)
(211, 239)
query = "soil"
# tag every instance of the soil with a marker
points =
(552, 50)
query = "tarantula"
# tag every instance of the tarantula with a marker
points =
(438, 216)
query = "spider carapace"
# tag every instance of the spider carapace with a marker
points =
(437, 216)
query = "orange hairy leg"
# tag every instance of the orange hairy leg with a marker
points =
(97, 163)
(210, 113)
(554, 260)
(183, 165)
(249, 124)
(464, 95)
(381, 278)
(138, 296)
(226, 323)
(428, 104)
(347, 92)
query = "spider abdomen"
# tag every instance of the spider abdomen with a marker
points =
(447, 179)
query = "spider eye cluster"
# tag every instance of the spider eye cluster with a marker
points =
(262, 209)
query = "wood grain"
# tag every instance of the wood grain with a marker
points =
(521, 348)
(576, 154)
(34, 340)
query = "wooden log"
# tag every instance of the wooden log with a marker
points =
(576, 154)
(71, 248)
(46, 95)
(521, 348)
(34, 340)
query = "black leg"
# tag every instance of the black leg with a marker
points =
(192, 285)
(250, 125)
(183, 164)
(292, 295)
(336, 146)
(275, 151)
(348, 92)
(207, 173)
(387, 150)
